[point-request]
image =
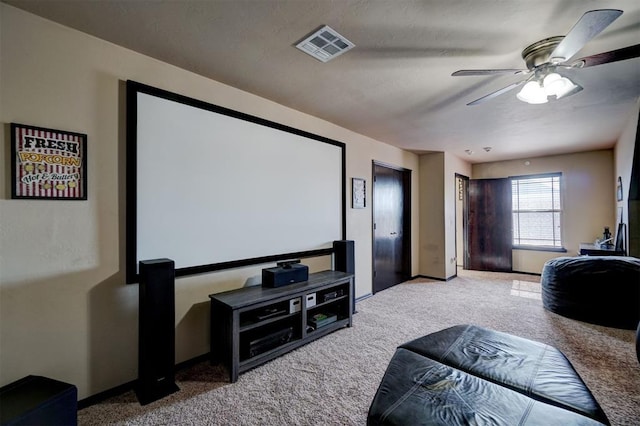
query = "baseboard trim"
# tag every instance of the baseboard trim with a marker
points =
(456, 275)
(104, 395)
(126, 387)
(527, 273)
(193, 361)
(427, 277)
(365, 296)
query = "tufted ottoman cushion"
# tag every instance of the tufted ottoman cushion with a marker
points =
(471, 375)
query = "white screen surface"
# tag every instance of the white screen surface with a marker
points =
(212, 188)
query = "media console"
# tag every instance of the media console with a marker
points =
(252, 325)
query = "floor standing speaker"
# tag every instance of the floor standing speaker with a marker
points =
(344, 260)
(156, 330)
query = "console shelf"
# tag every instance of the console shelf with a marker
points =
(252, 325)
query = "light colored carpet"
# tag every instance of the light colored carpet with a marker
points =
(332, 381)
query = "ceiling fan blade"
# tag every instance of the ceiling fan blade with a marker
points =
(497, 93)
(611, 56)
(460, 73)
(588, 26)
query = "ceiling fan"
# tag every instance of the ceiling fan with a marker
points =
(545, 57)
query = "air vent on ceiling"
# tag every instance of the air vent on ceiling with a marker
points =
(325, 44)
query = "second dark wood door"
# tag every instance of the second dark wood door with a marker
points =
(489, 235)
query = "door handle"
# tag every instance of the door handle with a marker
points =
(394, 233)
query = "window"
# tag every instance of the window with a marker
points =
(537, 211)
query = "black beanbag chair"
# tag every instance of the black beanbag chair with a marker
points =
(602, 290)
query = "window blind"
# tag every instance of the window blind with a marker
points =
(537, 210)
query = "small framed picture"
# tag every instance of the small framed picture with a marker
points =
(619, 189)
(48, 164)
(358, 187)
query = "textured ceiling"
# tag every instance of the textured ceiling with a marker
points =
(395, 85)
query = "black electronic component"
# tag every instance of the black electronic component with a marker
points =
(279, 276)
(270, 341)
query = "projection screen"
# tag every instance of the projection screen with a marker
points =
(212, 188)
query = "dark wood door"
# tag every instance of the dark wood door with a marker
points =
(391, 226)
(489, 223)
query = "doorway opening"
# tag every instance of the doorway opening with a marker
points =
(462, 199)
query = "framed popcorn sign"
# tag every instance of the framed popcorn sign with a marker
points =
(48, 163)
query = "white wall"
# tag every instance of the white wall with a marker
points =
(624, 152)
(65, 311)
(587, 198)
(438, 213)
(432, 220)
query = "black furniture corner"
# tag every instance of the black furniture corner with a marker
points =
(471, 375)
(587, 249)
(37, 400)
(252, 325)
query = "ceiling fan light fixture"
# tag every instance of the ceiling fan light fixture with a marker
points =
(558, 86)
(544, 56)
(532, 93)
(574, 89)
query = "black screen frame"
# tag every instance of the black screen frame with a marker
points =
(132, 90)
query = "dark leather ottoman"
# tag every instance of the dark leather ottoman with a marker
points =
(470, 375)
(602, 290)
